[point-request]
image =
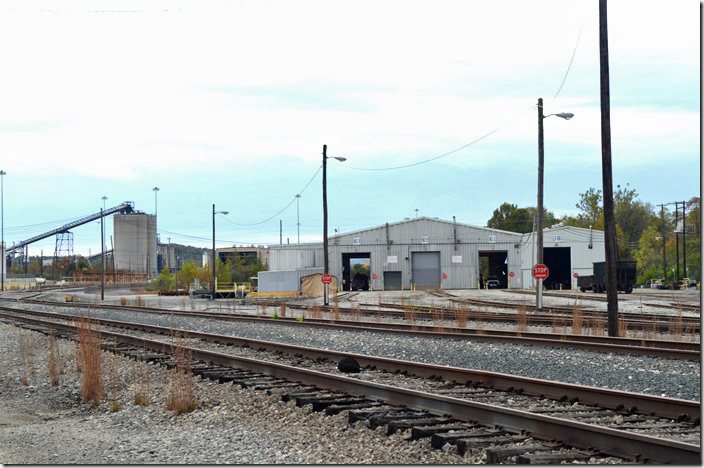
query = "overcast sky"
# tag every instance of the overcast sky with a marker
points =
(230, 102)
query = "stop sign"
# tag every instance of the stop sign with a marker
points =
(575, 274)
(540, 271)
(444, 276)
(374, 276)
(326, 279)
(511, 274)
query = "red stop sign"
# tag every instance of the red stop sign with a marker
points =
(540, 271)
(575, 274)
(511, 274)
(374, 276)
(444, 276)
(326, 279)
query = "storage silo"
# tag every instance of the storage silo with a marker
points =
(135, 243)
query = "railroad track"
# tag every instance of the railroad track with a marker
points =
(468, 409)
(634, 346)
(555, 316)
(675, 302)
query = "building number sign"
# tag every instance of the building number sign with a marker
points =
(492, 239)
(356, 241)
(557, 238)
(425, 239)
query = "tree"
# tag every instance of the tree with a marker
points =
(164, 282)
(590, 207)
(187, 275)
(509, 217)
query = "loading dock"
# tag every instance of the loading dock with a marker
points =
(493, 263)
(355, 271)
(557, 259)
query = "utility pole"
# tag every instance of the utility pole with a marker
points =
(539, 210)
(609, 219)
(677, 243)
(325, 224)
(684, 240)
(102, 250)
(664, 243)
(298, 217)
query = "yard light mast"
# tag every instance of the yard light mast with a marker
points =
(212, 295)
(325, 222)
(539, 211)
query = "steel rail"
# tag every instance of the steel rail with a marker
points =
(673, 408)
(608, 441)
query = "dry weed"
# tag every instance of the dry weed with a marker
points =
(181, 398)
(522, 319)
(282, 310)
(462, 316)
(139, 302)
(622, 326)
(91, 362)
(27, 359)
(54, 366)
(577, 319)
(141, 386)
(123, 301)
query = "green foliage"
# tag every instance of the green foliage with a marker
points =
(242, 268)
(164, 282)
(223, 272)
(509, 217)
(187, 274)
(360, 268)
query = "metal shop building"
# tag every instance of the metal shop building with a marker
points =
(567, 251)
(428, 253)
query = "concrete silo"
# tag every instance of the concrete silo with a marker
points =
(135, 243)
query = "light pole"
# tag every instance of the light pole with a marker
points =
(325, 221)
(2, 221)
(156, 189)
(539, 212)
(214, 262)
(298, 218)
(102, 248)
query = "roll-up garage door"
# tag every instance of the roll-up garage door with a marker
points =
(426, 270)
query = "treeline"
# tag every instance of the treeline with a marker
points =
(642, 231)
(235, 270)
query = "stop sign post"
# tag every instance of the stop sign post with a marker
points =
(540, 272)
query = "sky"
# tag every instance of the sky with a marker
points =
(433, 105)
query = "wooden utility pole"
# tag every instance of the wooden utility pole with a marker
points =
(102, 256)
(539, 210)
(684, 240)
(664, 243)
(677, 242)
(609, 220)
(325, 222)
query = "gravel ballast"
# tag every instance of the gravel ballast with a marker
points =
(42, 424)
(232, 425)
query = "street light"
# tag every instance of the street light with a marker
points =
(2, 221)
(156, 189)
(214, 263)
(325, 220)
(539, 213)
(298, 218)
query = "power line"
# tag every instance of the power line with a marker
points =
(282, 209)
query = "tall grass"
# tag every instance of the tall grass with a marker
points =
(27, 355)
(438, 316)
(141, 396)
(181, 398)
(462, 315)
(577, 319)
(54, 366)
(676, 324)
(622, 326)
(521, 319)
(91, 361)
(115, 383)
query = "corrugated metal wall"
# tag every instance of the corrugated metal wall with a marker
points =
(390, 249)
(577, 239)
